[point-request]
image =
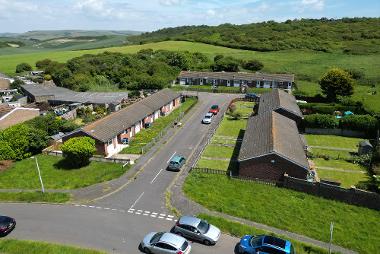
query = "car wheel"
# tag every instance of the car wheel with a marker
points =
(147, 251)
(206, 242)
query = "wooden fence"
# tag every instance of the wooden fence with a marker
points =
(94, 158)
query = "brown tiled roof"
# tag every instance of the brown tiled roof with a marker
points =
(108, 127)
(4, 109)
(237, 76)
(269, 133)
(279, 99)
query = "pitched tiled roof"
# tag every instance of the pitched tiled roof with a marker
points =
(279, 99)
(108, 127)
(269, 133)
(237, 76)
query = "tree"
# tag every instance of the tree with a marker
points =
(78, 151)
(17, 83)
(226, 64)
(23, 67)
(253, 65)
(18, 140)
(336, 82)
(6, 152)
(42, 64)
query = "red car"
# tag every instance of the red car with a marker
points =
(214, 109)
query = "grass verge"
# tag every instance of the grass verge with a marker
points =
(23, 174)
(289, 210)
(237, 229)
(332, 141)
(146, 136)
(347, 179)
(35, 196)
(11, 246)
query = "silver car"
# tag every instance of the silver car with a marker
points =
(197, 229)
(165, 243)
(207, 118)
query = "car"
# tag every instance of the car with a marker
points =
(251, 96)
(197, 229)
(7, 224)
(264, 244)
(214, 109)
(207, 118)
(176, 163)
(165, 243)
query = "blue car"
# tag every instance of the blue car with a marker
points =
(264, 244)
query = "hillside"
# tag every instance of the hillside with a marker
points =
(348, 35)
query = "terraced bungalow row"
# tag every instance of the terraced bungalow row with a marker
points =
(113, 132)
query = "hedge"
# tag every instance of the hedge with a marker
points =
(321, 121)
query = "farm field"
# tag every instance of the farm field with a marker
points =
(23, 174)
(308, 66)
(277, 207)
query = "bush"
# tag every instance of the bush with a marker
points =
(78, 151)
(23, 67)
(336, 82)
(321, 121)
(253, 65)
(6, 152)
(366, 123)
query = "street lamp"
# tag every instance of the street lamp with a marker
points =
(39, 174)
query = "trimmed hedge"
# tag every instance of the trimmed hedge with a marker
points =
(321, 121)
(325, 108)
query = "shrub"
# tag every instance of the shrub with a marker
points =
(78, 151)
(366, 123)
(321, 121)
(23, 67)
(336, 82)
(6, 152)
(253, 65)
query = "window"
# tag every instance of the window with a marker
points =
(109, 142)
(125, 132)
(268, 249)
(165, 246)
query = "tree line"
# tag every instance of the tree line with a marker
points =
(350, 35)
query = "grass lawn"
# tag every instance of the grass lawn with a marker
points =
(12, 246)
(340, 164)
(245, 107)
(214, 151)
(23, 174)
(214, 164)
(333, 154)
(230, 127)
(289, 210)
(347, 179)
(333, 141)
(237, 229)
(147, 135)
(35, 196)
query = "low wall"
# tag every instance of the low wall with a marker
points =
(339, 132)
(351, 196)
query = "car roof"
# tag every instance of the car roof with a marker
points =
(215, 105)
(176, 158)
(172, 239)
(189, 220)
(209, 114)
(276, 242)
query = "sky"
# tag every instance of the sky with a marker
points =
(148, 15)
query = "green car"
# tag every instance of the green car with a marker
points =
(176, 163)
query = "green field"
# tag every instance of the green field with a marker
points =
(333, 141)
(35, 196)
(308, 66)
(23, 174)
(355, 227)
(12, 246)
(347, 179)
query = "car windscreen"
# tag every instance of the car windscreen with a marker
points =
(214, 107)
(256, 241)
(184, 246)
(203, 226)
(156, 237)
(207, 117)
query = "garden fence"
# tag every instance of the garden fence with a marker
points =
(94, 158)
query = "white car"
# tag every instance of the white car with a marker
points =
(207, 118)
(165, 243)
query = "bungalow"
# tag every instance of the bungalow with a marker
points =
(280, 102)
(113, 132)
(236, 79)
(10, 116)
(272, 147)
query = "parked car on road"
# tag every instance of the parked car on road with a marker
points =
(165, 243)
(214, 109)
(7, 224)
(207, 118)
(264, 244)
(251, 96)
(197, 229)
(176, 163)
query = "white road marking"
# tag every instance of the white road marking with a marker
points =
(107, 208)
(83, 205)
(145, 214)
(77, 205)
(152, 215)
(162, 214)
(98, 207)
(170, 216)
(156, 176)
(113, 209)
(140, 211)
(171, 157)
(137, 200)
(130, 211)
(146, 211)
(169, 219)
(137, 213)
(160, 217)
(91, 206)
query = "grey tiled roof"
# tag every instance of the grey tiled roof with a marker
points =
(108, 127)
(269, 133)
(277, 99)
(69, 96)
(237, 76)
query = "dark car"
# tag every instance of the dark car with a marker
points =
(7, 224)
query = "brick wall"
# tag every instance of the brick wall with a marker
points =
(352, 196)
(271, 167)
